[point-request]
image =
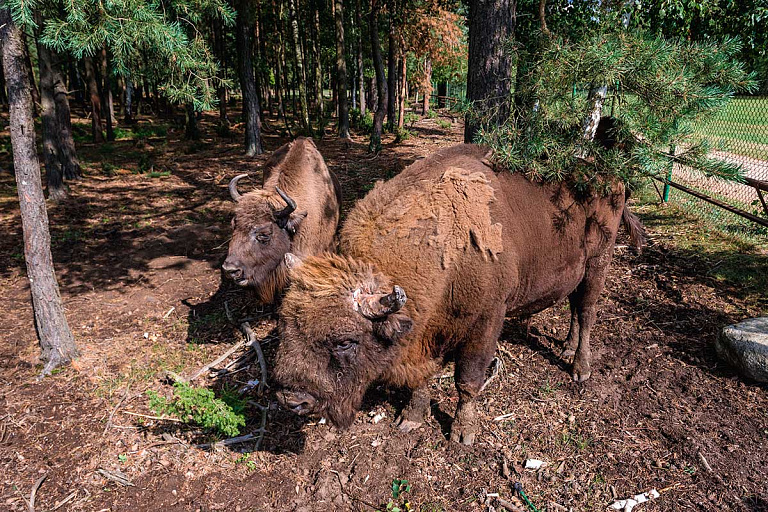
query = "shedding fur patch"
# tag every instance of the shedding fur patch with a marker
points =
(451, 214)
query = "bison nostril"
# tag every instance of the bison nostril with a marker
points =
(299, 402)
(232, 270)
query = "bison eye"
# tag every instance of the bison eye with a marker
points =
(262, 238)
(346, 345)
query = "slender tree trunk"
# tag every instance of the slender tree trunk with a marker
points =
(427, 85)
(56, 340)
(341, 70)
(491, 25)
(251, 111)
(381, 83)
(128, 101)
(31, 76)
(191, 131)
(93, 91)
(442, 92)
(360, 70)
(318, 65)
(299, 62)
(391, 68)
(56, 189)
(3, 96)
(109, 110)
(403, 93)
(596, 99)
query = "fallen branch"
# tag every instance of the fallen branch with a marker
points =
(116, 476)
(112, 414)
(218, 361)
(31, 501)
(253, 341)
(232, 440)
(147, 416)
(64, 501)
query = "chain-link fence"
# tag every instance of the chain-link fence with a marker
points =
(742, 129)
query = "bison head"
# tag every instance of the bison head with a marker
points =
(341, 324)
(263, 228)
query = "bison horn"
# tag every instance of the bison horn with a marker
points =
(233, 187)
(378, 306)
(290, 202)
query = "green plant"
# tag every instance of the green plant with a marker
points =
(398, 503)
(442, 123)
(432, 114)
(198, 406)
(122, 457)
(402, 134)
(246, 460)
(108, 169)
(159, 174)
(146, 163)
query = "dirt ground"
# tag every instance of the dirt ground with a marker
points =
(137, 255)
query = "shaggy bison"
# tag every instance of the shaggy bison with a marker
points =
(297, 209)
(434, 259)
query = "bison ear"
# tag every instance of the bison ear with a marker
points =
(292, 223)
(393, 327)
(292, 261)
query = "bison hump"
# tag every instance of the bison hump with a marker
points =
(442, 217)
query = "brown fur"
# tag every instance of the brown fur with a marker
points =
(299, 170)
(469, 247)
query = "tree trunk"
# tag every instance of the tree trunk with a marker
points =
(128, 102)
(3, 96)
(248, 81)
(56, 340)
(360, 70)
(391, 68)
(403, 92)
(299, 62)
(381, 83)
(442, 92)
(318, 66)
(106, 100)
(93, 91)
(491, 25)
(341, 70)
(191, 131)
(427, 85)
(56, 189)
(31, 76)
(596, 99)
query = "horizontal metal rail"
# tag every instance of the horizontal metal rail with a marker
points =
(721, 204)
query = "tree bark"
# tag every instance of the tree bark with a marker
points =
(427, 85)
(360, 70)
(31, 76)
(401, 97)
(191, 130)
(56, 188)
(70, 165)
(55, 337)
(391, 68)
(248, 81)
(341, 70)
(301, 77)
(93, 91)
(491, 25)
(381, 83)
(318, 66)
(106, 93)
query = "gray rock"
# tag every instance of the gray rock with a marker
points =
(745, 346)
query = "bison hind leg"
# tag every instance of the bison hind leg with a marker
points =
(585, 299)
(572, 340)
(416, 411)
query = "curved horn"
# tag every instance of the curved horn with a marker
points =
(233, 187)
(290, 202)
(377, 306)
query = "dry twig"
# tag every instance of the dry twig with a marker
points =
(115, 476)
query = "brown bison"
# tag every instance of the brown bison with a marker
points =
(468, 246)
(297, 210)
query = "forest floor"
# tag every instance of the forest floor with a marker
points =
(137, 248)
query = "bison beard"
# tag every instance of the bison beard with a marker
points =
(469, 247)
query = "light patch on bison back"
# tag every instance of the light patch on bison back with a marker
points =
(451, 215)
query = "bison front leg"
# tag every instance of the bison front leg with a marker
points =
(586, 307)
(472, 360)
(414, 414)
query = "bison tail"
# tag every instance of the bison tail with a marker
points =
(634, 228)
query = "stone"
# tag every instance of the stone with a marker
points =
(745, 347)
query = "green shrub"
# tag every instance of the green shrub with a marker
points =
(199, 406)
(442, 123)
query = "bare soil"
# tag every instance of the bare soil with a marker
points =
(137, 255)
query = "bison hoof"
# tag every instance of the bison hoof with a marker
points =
(580, 374)
(406, 425)
(463, 435)
(567, 354)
